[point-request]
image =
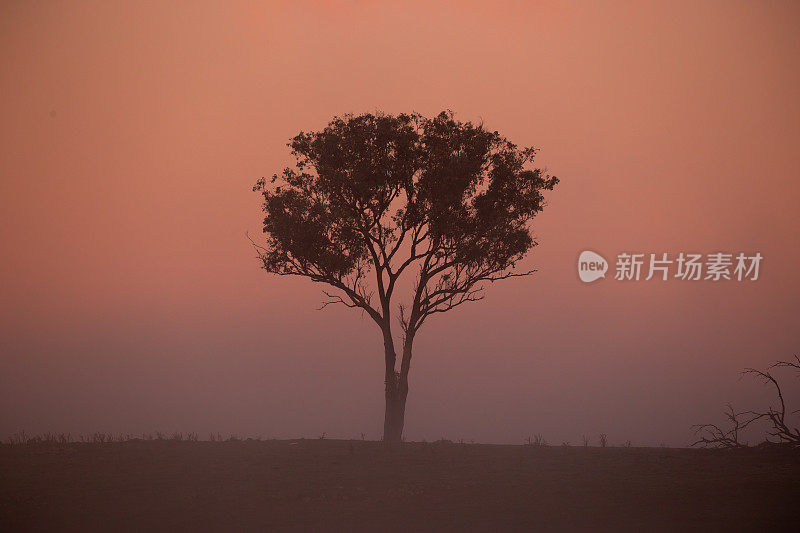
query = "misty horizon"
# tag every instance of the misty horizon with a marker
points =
(133, 301)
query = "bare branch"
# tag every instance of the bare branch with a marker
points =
(779, 429)
(334, 299)
(713, 435)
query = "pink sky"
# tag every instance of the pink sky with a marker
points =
(132, 136)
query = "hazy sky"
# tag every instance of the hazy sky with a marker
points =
(130, 299)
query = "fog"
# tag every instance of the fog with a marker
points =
(131, 300)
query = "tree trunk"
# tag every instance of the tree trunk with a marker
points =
(396, 388)
(394, 417)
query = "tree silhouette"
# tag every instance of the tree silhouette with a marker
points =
(373, 197)
(779, 427)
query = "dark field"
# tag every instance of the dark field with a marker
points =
(328, 485)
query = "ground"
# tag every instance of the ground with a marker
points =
(329, 485)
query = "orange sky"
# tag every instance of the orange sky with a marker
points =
(132, 135)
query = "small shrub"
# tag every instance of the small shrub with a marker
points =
(537, 440)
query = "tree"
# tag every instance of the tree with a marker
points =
(778, 425)
(376, 196)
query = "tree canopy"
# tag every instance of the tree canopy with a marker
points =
(374, 195)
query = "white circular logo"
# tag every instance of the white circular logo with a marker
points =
(591, 266)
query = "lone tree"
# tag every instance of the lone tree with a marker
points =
(373, 197)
